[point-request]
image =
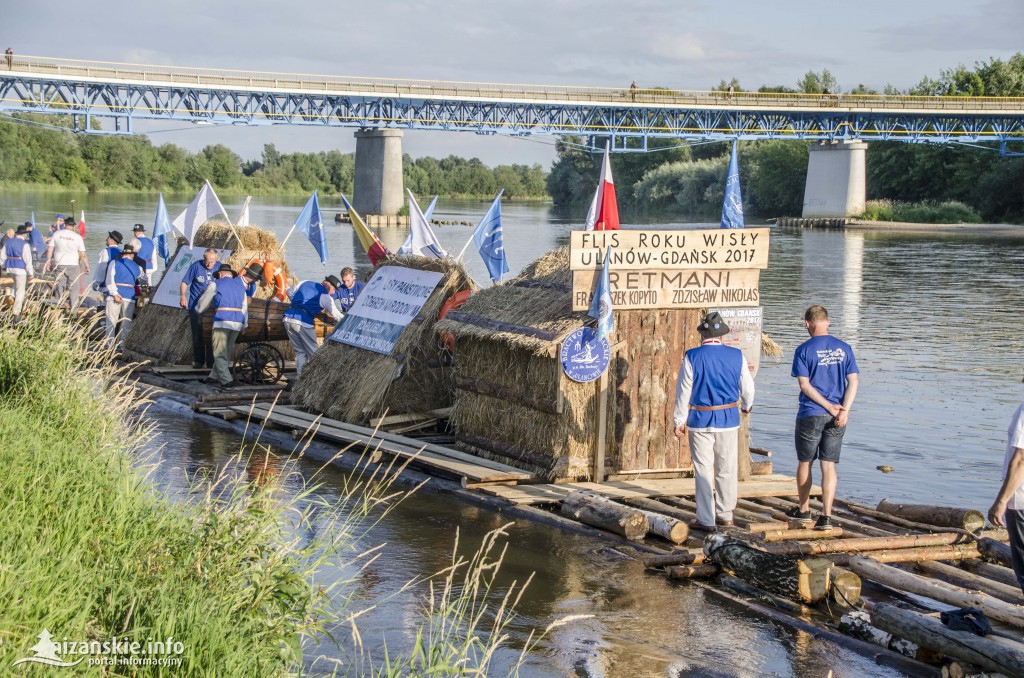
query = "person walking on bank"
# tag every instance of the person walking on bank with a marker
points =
(229, 297)
(66, 256)
(827, 372)
(146, 252)
(348, 292)
(714, 385)
(308, 299)
(1008, 509)
(16, 257)
(122, 274)
(110, 252)
(197, 278)
(9, 57)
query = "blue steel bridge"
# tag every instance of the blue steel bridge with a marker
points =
(127, 92)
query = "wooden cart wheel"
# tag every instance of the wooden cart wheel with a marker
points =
(259, 364)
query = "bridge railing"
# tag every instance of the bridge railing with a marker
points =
(428, 89)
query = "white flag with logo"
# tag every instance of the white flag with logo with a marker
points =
(205, 205)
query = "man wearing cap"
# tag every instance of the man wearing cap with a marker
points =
(308, 298)
(195, 281)
(66, 256)
(145, 250)
(119, 292)
(349, 290)
(110, 252)
(827, 373)
(16, 257)
(229, 297)
(1008, 508)
(714, 385)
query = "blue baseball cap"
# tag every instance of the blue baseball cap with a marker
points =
(60, 216)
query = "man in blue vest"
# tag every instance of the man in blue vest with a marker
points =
(145, 250)
(714, 386)
(16, 257)
(229, 297)
(828, 376)
(349, 290)
(307, 300)
(119, 289)
(197, 278)
(111, 251)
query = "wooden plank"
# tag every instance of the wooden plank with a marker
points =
(340, 432)
(406, 418)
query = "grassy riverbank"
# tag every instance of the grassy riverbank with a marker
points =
(927, 212)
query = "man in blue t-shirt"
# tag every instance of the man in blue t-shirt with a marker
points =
(828, 375)
(348, 291)
(195, 281)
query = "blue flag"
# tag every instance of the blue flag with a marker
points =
(162, 229)
(601, 305)
(732, 206)
(489, 241)
(311, 223)
(36, 239)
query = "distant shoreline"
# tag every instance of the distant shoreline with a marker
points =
(902, 226)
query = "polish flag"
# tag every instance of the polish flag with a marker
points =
(81, 224)
(603, 214)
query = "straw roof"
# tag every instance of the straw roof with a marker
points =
(533, 311)
(354, 385)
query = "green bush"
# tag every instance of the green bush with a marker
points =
(926, 212)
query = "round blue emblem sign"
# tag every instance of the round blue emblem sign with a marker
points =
(584, 359)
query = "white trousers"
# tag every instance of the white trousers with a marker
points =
(304, 341)
(20, 276)
(119, 320)
(715, 457)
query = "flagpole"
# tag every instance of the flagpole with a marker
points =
(283, 242)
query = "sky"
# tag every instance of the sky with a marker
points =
(681, 44)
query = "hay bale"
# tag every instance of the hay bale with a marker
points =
(354, 385)
(160, 334)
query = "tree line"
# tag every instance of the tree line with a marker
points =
(40, 150)
(689, 180)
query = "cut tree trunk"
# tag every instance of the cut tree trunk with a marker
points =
(858, 624)
(799, 534)
(802, 579)
(760, 468)
(677, 558)
(865, 544)
(968, 580)
(597, 511)
(946, 593)
(998, 573)
(935, 635)
(953, 552)
(845, 587)
(703, 571)
(941, 516)
(995, 550)
(666, 527)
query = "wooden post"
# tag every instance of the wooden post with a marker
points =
(743, 447)
(601, 418)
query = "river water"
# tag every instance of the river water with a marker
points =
(933, 319)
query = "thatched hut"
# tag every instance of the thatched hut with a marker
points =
(161, 335)
(355, 385)
(514, 403)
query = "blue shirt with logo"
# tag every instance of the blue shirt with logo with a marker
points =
(198, 278)
(826, 362)
(347, 296)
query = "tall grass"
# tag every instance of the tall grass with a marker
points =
(928, 212)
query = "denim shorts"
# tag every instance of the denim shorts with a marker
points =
(818, 437)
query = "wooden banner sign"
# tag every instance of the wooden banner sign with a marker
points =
(744, 333)
(633, 290)
(718, 248)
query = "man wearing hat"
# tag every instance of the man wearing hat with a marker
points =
(110, 252)
(1008, 508)
(16, 257)
(827, 373)
(229, 297)
(119, 294)
(66, 256)
(309, 298)
(714, 385)
(145, 250)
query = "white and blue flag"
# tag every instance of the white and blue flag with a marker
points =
(423, 242)
(162, 229)
(601, 305)
(311, 223)
(490, 241)
(732, 206)
(406, 247)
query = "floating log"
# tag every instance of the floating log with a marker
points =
(941, 516)
(760, 468)
(793, 535)
(933, 634)
(772, 599)
(995, 551)
(703, 571)
(597, 511)
(803, 579)
(952, 552)
(946, 593)
(1003, 575)
(860, 509)
(845, 587)
(865, 544)
(677, 558)
(858, 624)
(968, 580)
(667, 527)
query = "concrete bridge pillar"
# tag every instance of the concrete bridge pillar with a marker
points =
(378, 185)
(835, 180)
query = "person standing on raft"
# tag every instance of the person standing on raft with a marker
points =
(119, 287)
(145, 250)
(197, 278)
(714, 385)
(308, 299)
(827, 373)
(1008, 509)
(229, 297)
(16, 257)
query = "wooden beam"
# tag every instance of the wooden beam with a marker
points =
(601, 421)
(412, 416)
(502, 392)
